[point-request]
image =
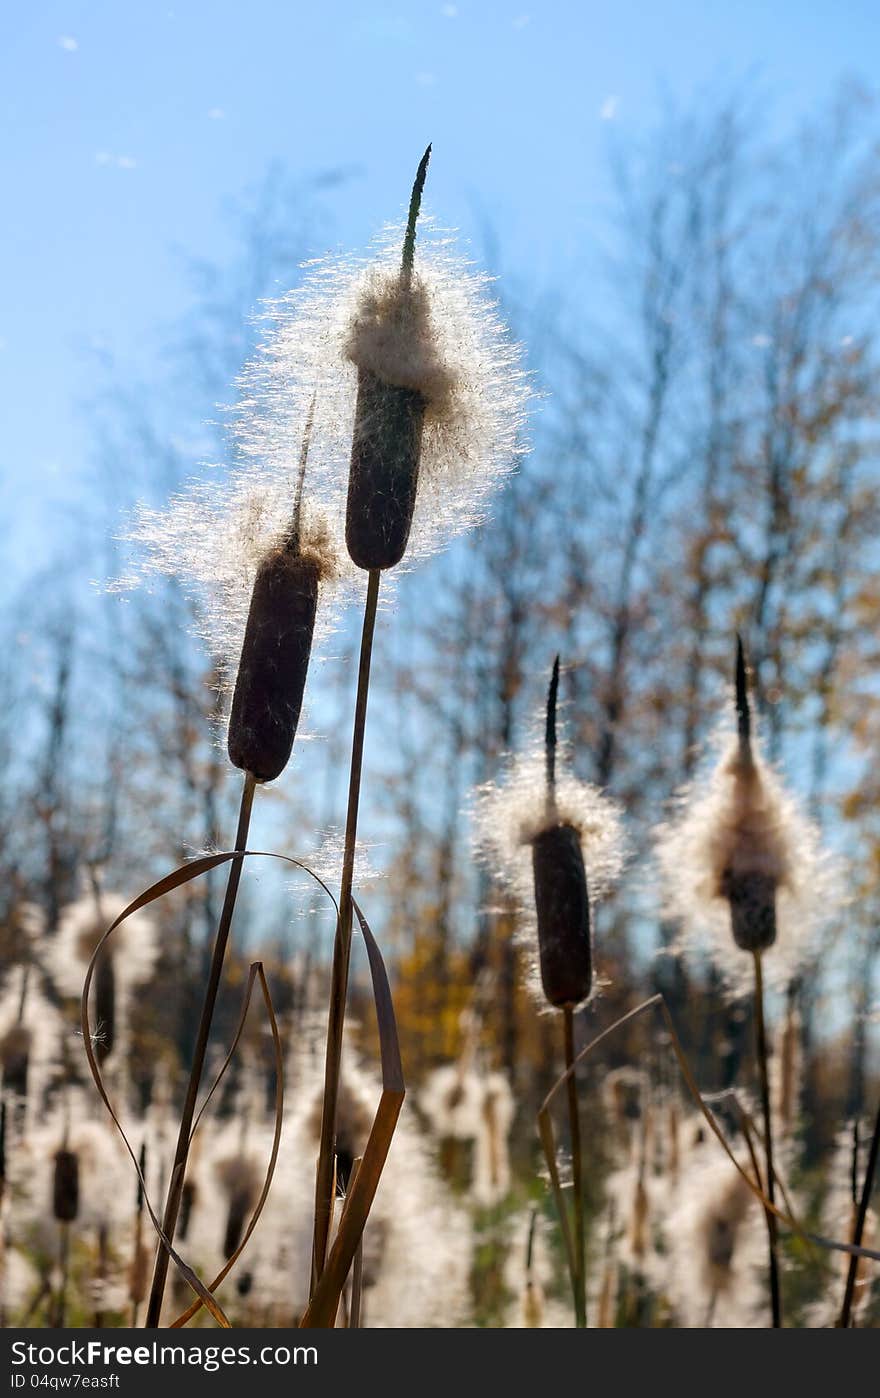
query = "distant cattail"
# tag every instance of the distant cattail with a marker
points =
(239, 1179)
(715, 1239)
(556, 842)
(125, 963)
(65, 1186)
(491, 1156)
(187, 1200)
(105, 1006)
(741, 868)
(15, 1058)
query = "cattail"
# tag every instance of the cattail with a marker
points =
(556, 842)
(714, 1238)
(389, 420)
(105, 1006)
(274, 661)
(65, 1186)
(561, 900)
(271, 678)
(15, 1059)
(491, 1154)
(125, 963)
(239, 1179)
(742, 870)
(187, 1201)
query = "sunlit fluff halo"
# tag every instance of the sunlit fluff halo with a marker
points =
(508, 817)
(133, 946)
(725, 812)
(454, 349)
(212, 536)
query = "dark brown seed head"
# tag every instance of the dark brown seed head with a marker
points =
(274, 661)
(187, 1199)
(384, 475)
(65, 1186)
(563, 912)
(15, 1052)
(105, 1006)
(752, 899)
(239, 1207)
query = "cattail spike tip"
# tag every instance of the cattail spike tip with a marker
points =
(415, 204)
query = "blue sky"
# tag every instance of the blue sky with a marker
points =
(127, 125)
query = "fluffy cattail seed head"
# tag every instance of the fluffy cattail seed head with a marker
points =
(556, 842)
(105, 1006)
(65, 1186)
(562, 904)
(15, 1059)
(740, 858)
(389, 414)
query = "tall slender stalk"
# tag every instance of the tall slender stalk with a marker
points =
(578, 1280)
(858, 1231)
(342, 944)
(772, 1231)
(181, 1154)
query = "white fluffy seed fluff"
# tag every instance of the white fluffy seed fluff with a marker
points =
(508, 815)
(133, 946)
(739, 816)
(444, 337)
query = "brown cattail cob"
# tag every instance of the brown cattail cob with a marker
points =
(271, 679)
(15, 1060)
(562, 903)
(65, 1186)
(386, 444)
(105, 1006)
(751, 893)
(240, 1184)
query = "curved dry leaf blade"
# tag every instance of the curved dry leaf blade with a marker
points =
(256, 972)
(545, 1124)
(183, 874)
(321, 1311)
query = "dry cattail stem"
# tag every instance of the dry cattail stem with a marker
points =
(579, 1277)
(387, 438)
(181, 1155)
(324, 1188)
(274, 661)
(859, 1225)
(767, 1113)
